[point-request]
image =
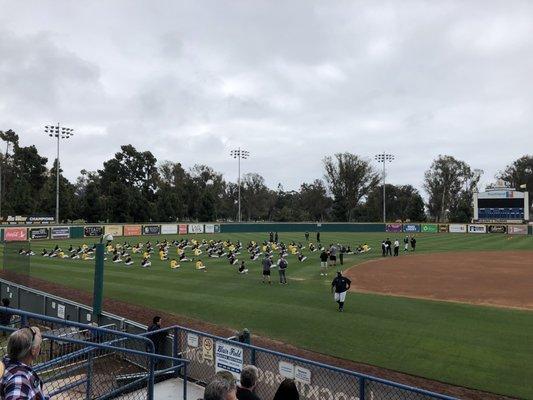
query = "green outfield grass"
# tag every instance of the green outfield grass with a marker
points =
(479, 347)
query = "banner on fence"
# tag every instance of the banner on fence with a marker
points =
(132, 230)
(39, 233)
(15, 234)
(429, 228)
(517, 229)
(229, 358)
(217, 229)
(60, 232)
(196, 228)
(151, 229)
(93, 231)
(497, 229)
(393, 228)
(209, 228)
(114, 230)
(457, 228)
(169, 229)
(182, 229)
(443, 228)
(411, 228)
(477, 229)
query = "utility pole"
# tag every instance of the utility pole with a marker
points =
(59, 132)
(239, 153)
(384, 158)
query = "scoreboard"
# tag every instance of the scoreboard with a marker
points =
(501, 205)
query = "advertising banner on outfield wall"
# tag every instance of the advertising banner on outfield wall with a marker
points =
(169, 229)
(517, 229)
(196, 228)
(411, 228)
(429, 228)
(60, 232)
(477, 229)
(457, 228)
(93, 231)
(217, 228)
(393, 227)
(132, 230)
(39, 233)
(497, 229)
(443, 228)
(114, 230)
(209, 228)
(15, 234)
(182, 229)
(151, 229)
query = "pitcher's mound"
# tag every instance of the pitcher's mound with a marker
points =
(503, 279)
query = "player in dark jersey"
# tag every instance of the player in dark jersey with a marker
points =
(340, 286)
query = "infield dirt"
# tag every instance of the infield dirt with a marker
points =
(495, 278)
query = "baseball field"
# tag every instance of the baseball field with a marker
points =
(458, 311)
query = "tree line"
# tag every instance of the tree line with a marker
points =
(133, 187)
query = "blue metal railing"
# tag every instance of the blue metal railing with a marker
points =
(88, 349)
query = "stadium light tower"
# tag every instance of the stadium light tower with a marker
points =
(384, 158)
(244, 154)
(59, 132)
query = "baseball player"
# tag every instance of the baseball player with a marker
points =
(340, 286)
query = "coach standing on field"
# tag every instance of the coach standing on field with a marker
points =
(340, 285)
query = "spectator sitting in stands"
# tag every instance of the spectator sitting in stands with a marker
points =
(5, 316)
(287, 390)
(19, 380)
(248, 382)
(220, 389)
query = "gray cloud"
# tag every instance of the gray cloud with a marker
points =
(290, 81)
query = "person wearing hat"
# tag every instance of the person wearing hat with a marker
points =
(19, 380)
(340, 286)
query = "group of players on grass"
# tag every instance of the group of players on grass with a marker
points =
(193, 250)
(387, 246)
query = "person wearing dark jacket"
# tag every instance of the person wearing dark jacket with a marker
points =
(340, 286)
(157, 337)
(245, 391)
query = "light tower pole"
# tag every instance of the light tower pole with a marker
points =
(59, 132)
(384, 158)
(244, 154)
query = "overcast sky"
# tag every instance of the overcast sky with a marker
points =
(290, 81)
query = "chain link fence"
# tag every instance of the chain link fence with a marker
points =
(314, 380)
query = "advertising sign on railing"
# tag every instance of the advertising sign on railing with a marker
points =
(228, 358)
(132, 230)
(93, 231)
(457, 228)
(115, 230)
(151, 229)
(15, 234)
(209, 228)
(429, 228)
(393, 228)
(443, 228)
(60, 232)
(169, 229)
(39, 233)
(182, 229)
(517, 229)
(196, 228)
(411, 228)
(497, 229)
(477, 229)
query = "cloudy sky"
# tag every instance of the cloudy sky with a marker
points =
(290, 81)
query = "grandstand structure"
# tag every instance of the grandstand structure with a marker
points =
(80, 360)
